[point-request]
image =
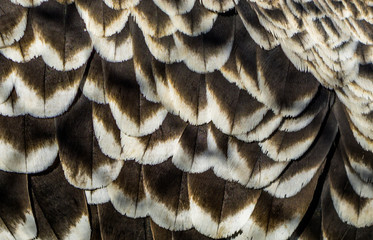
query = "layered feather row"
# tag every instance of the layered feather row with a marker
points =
(185, 119)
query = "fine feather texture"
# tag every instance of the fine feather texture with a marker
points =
(184, 119)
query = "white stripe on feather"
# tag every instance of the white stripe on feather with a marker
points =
(28, 3)
(121, 4)
(53, 59)
(253, 231)
(125, 205)
(163, 53)
(101, 29)
(290, 187)
(126, 124)
(36, 161)
(29, 102)
(199, 62)
(347, 213)
(110, 50)
(97, 196)
(162, 216)
(172, 8)
(26, 229)
(107, 142)
(17, 31)
(4, 232)
(25, 53)
(94, 92)
(363, 189)
(82, 230)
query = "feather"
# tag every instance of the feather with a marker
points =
(192, 149)
(333, 227)
(156, 147)
(255, 29)
(41, 95)
(197, 21)
(250, 166)
(133, 113)
(233, 111)
(27, 144)
(28, 3)
(162, 233)
(62, 205)
(152, 20)
(121, 4)
(296, 89)
(163, 49)
(66, 45)
(358, 158)
(16, 214)
(115, 48)
(99, 19)
(27, 48)
(94, 85)
(97, 196)
(129, 119)
(299, 173)
(167, 193)
(13, 21)
(276, 217)
(350, 207)
(172, 8)
(44, 229)
(113, 225)
(241, 65)
(285, 146)
(318, 103)
(219, 5)
(181, 88)
(219, 208)
(84, 165)
(264, 129)
(142, 60)
(127, 192)
(207, 52)
(106, 131)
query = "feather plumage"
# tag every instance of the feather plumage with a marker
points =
(159, 119)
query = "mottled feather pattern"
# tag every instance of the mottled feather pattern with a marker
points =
(186, 119)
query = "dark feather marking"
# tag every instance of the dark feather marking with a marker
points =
(220, 198)
(165, 184)
(130, 181)
(142, 62)
(49, 83)
(14, 201)
(188, 85)
(94, 222)
(113, 225)
(62, 204)
(284, 82)
(79, 151)
(332, 225)
(340, 184)
(122, 88)
(152, 17)
(351, 147)
(270, 212)
(99, 12)
(10, 16)
(49, 19)
(103, 114)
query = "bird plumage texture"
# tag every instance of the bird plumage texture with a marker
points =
(169, 119)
